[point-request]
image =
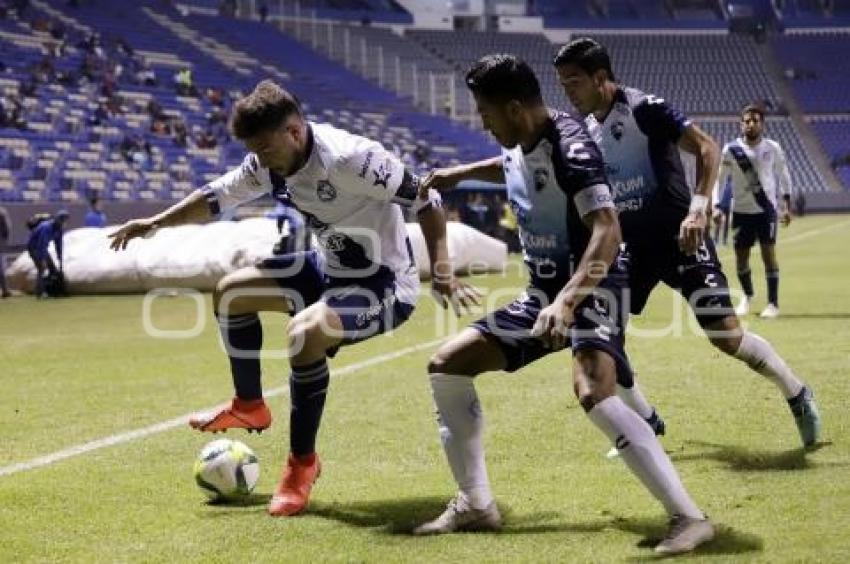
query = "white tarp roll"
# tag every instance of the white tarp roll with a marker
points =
(197, 256)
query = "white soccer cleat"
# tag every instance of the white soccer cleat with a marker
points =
(685, 534)
(770, 312)
(743, 307)
(460, 516)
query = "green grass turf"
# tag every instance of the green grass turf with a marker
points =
(81, 369)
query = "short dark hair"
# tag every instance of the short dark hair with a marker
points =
(501, 78)
(264, 109)
(587, 54)
(753, 109)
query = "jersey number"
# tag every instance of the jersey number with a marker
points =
(579, 152)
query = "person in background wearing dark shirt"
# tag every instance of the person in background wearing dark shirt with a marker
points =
(45, 232)
(5, 232)
(95, 216)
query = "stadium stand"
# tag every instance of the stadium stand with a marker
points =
(101, 134)
(90, 104)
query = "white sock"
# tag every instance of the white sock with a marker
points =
(635, 399)
(461, 429)
(761, 357)
(642, 453)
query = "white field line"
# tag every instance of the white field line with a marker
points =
(814, 232)
(183, 419)
(129, 436)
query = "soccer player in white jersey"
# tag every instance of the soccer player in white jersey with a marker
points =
(570, 237)
(364, 282)
(759, 174)
(664, 227)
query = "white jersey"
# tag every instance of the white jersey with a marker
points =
(348, 191)
(759, 176)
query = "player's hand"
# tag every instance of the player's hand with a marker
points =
(692, 232)
(785, 218)
(128, 232)
(450, 290)
(440, 179)
(717, 217)
(553, 323)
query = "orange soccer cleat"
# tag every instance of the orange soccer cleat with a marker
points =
(252, 415)
(293, 492)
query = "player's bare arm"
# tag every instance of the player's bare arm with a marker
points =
(554, 320)
(191, 209)
(785, 210)
(700, 144)
(442, 179)
(445, 286)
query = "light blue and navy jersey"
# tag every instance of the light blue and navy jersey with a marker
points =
(550, 189)
(638, 139)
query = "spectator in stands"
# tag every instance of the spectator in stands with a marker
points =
(217, 120)
(144, 73)
(135, 150)
(181, 133)
(475, 212)
(100, 115)
(206, 140)
(421, 153)
(214, 96)
(5, 232)
(184, 83)
(44, 71)
(154, 110)
(160, 128)
(124, 49)
(12, 112)
(95, 216)
(43, 233)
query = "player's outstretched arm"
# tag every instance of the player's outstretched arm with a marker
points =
(554, 320)
(191, 209)
(445, 286)
(442, 179)
(700, 144)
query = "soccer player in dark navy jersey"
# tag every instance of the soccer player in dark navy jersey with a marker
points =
(663, 226)
(570, 237)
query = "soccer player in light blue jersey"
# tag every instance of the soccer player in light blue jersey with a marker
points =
(570, 237)
(663, 226)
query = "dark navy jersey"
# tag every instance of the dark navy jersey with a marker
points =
(638, 139)
(550, 189)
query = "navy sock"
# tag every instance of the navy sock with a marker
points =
(243, 338)
(746, 279)
(308, 387)
(773, 287)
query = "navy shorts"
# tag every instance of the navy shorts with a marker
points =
(367, 306)
(698, 278)
(749, 227)
(599, 325)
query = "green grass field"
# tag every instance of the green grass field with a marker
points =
(78, 370)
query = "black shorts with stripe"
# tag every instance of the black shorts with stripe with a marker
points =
(599, 324)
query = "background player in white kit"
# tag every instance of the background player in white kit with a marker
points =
(759, 174)
(364, 283)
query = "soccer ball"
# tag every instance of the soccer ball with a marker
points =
(227, 470)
